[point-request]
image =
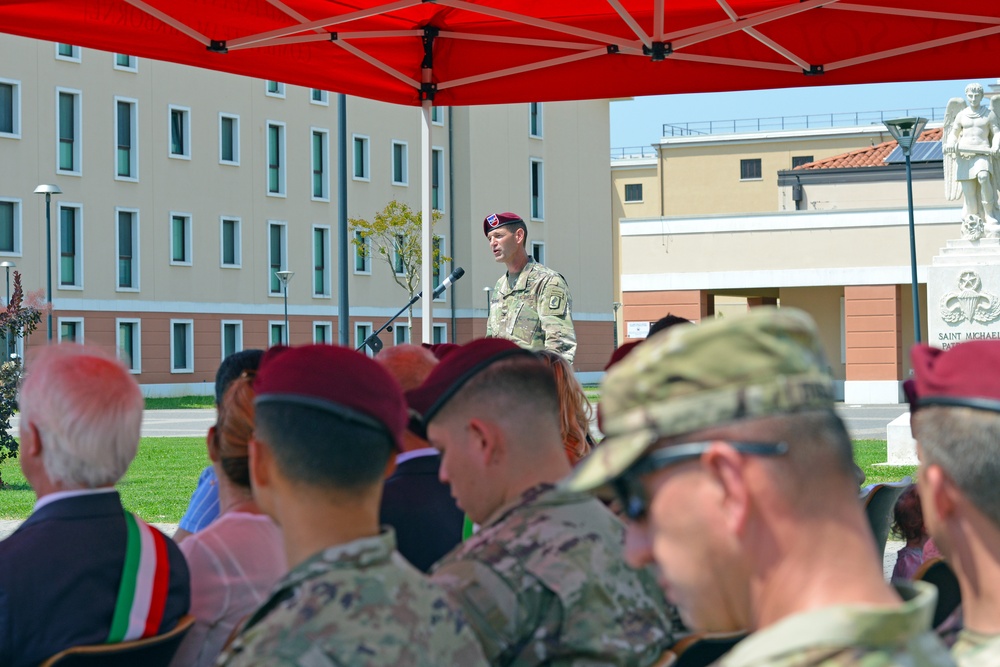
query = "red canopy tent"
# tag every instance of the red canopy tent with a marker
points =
(466, 52)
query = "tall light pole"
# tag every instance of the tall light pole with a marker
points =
(616, 305)
(285, 277)
(8, 266)
(48, 190)
(906, 131)
(487, 290)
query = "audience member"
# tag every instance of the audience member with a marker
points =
(666, 322)
(955, 415)
(82, 570)
(908, 523)
(575, 411)
(415, 503)
(238, 558)
(203, 508)
(327, 420)
(543, 581)
(724, 449)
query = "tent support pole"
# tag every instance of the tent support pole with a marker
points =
(343, 298)
(427, 248)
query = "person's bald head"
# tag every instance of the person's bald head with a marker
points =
(409, 364)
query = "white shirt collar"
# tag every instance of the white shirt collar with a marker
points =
(415, 454)
(73, 493)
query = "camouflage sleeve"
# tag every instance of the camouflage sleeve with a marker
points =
(492, 606)
(555, 314)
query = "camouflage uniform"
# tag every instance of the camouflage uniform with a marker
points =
(544, 582)
(536, 313)
(356, 604)
(974, 649)
(845, 635)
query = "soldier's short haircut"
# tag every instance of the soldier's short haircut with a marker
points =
(512, 387)
(322, 449)
(965, 442)
(514, 226)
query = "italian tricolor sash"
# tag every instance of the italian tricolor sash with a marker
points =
(142, 593)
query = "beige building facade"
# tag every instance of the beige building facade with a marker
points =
(828, 238)
(185, 190)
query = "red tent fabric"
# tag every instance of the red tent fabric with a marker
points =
(493, 51)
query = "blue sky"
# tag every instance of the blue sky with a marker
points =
(639, 122)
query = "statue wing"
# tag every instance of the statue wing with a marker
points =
(952, 188)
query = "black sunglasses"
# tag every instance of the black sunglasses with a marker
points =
(628, 489)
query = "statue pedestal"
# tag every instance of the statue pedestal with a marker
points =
(963, 293)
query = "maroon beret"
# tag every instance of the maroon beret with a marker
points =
(455, 370)
(440, 350)
(623, 351)
(335, 379)
(964, 375)
(496, 220)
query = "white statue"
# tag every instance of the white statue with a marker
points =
(971, 142)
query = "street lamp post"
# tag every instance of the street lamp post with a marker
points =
(285, 277)
(906, 131)
(616, 305)
(48, 190)
(8, 266)
(487, 290)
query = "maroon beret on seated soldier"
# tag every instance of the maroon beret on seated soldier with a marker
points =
(335, 379)
(964, 375)
(497, 220)
(455, 370)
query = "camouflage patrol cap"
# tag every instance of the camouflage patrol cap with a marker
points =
(497, 220)
(690, 378)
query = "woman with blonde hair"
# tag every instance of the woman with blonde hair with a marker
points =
(575, 411)
(238, 558)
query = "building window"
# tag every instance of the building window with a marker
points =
(126, 62)
(538, 251)
(274, 89)
(437, 115)
(799, 160)
(323, 333)
(126, 148)
(277, 334)
(321, 261)
(633, 192)
(180, 133)
(439, 267)
(129, 344)
(70, 246)
(68, 122)
(276, 159)
(317, 96)
(277, 254)
(229, 139)
(10, 109)
(71, 330)
(439, 334)
(362, 330)
(128, 249)
(182, 346)
(361, 171)
(437, 179)
(180, 239)
(537, 191)
(320, 162)
(397, 256)
(400, 176)
(362, 254)
(10, 226)
(231, 243)
(68, 52)
(750, 170)
(232, 337)
(535, 120)
(401, 334)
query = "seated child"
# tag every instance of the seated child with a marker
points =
(908, 523)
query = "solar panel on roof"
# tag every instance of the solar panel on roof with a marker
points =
(922, 151)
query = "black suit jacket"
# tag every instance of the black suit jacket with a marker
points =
(420, 508)
(59, 577)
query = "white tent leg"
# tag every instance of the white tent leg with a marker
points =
(427, 249)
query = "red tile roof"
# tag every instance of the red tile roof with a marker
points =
(866, 157)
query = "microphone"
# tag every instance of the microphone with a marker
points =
(455, 275)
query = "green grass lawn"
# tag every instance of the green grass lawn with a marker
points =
(159, 482)
(157, 486)
(180, 402)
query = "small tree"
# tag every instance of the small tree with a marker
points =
(394, 236)
(16, 320)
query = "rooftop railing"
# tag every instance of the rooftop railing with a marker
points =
(631, 152)
(812, 121)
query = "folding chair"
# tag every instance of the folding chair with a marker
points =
(878, 507)
(938, 572)
(149, 652)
